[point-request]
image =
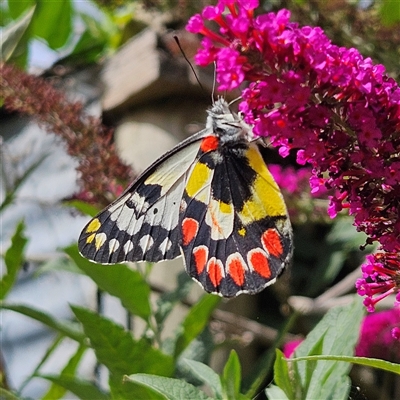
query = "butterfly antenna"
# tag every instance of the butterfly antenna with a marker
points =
(188, 61)
(235, 100)
(214, 80)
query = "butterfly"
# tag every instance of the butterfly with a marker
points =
(210, 199)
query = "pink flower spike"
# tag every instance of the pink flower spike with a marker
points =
(195, 24)
(336, 108)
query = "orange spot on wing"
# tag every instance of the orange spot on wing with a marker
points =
(258, 259)
(189, 230)
(200, 255)
(214, 269)
(272, 242)
(209, 143)
(236, 268)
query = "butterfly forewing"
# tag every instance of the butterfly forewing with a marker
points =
(211, 199)
(142, 223)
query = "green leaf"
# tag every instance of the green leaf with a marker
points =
(281, 375)
(122, 354)
(7, 395)
(195, 321)
(118, 350)
(118, 280)
(65, 328)
(92, 43)
(336, 334)
(83, 389)
(206, 375)
(368, 362)
(13, 259)
(169, 388)
(57, 391)
(17, 7)
(390, 12)
(53, 22)
(275, 393)
(231, 377)
(82, 206)
(125, 390)
(12, 34)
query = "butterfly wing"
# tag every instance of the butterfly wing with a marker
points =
(142, 224)
(236, 235)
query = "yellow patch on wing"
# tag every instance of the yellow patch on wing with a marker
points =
(90, 238)
(93, 226)
(199, 179)
(266, 199)
(242, 232)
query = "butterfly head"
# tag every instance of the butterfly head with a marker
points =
(226, 124)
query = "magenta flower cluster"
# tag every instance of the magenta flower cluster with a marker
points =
(379, 336)
(337, 109)
(295, 181)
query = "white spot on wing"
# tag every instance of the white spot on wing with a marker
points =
(165, 245)
(100, 238)
(113, 245)
(146, 242)
(128, 246)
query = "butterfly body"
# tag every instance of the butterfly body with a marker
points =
(211, 199)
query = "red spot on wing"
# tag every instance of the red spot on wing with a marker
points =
(236, 267)
(272, 242)
(189, 230)
(258, 260)
(200, 254)
(214, 270)
(209, 143)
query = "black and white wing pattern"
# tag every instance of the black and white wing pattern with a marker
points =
(142, 224)
(211, 199)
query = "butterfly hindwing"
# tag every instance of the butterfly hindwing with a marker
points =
(211, 199)
(237, 239)
(142, 224)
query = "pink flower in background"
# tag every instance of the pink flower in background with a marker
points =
(336, 108)
(379, 337)
(290, 347)
(289, 179)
